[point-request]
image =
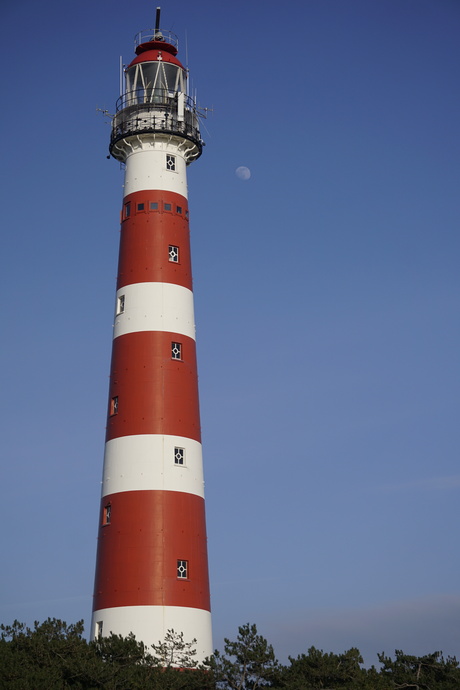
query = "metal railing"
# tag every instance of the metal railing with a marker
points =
(152, 112)
(152, 35)
(153, 97)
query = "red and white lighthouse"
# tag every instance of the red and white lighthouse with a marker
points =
(152, 569)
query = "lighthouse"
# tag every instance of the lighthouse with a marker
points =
(151, 566)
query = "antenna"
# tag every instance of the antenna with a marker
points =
(186, 50)
(157, 23)
(186, 64)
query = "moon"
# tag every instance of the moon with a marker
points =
(243, 172)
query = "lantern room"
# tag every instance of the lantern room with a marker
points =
(155, 73)
(155, 99)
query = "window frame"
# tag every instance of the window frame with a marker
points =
(177, 357)
(121, 300)
(182, 563)
(179, 456)
(170, 162)
(107, 514)
(171, 258)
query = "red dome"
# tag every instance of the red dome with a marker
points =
(149, 52)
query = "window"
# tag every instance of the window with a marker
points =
(127, 209)
(167, 207)
(179, 456)
(107, 514)
(114, 405)
(141, 207)
(173, 254)
(178, 209)
(170, 162)
(182, 570)
(98, 631)
(154, 205)
(120, 304)
(176, 350)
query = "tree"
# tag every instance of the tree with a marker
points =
(247, 664)
(55, 656)
(175, 652)
(50, 655)
(427, 672)
(317, 670)
(179, 668)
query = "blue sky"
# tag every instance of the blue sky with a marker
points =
(326, 294)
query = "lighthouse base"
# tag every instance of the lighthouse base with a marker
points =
(151, 624)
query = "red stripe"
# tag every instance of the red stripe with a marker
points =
(156, 394)
(138, 551)
(146, 236)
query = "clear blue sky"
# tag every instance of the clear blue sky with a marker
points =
(327, 306)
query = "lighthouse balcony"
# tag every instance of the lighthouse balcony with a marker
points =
(159, 111)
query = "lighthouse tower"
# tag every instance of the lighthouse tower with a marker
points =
(152, 570)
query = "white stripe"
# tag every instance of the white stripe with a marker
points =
(155, 307)
(151, 623)
(146, 169)
(147, 463)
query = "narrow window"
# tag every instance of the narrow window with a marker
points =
(170, 162)
(107, 514)
(114, 405)
(120, 304)
(154, 205)
(173, 254)
(176, 350)
(98, 631)
(167, 207)
(140, 207)
(179, 456)
(186, 214)
(182, 570)
(178, 209)
(127, 209)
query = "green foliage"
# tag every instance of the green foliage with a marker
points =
(49, 656)
(420, 673)
(54, 656)
(178, 666)
(318, 669)
(175, 652)
(247, 664)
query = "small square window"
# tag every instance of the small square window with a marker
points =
(173, 254)
(179, 456)
(176, 350)
(98, 631)
(128, 209)
(120, 304)
(114, 405)
(178, 209)
(107, 514)
(167, 207)
(141, 207)
(186, 214)
(182, 570)
(154, 205)
(170, 162)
